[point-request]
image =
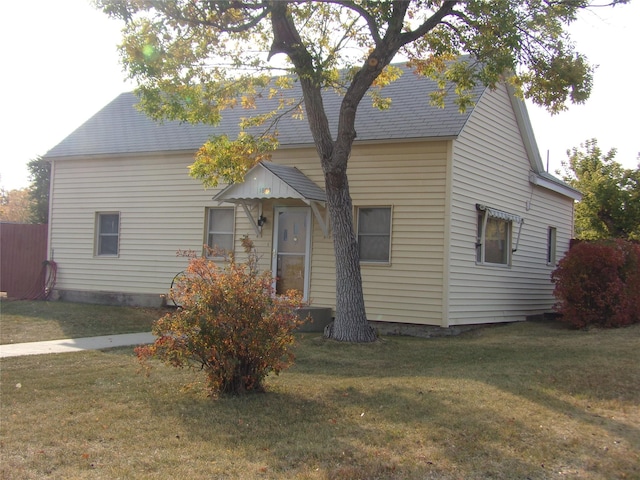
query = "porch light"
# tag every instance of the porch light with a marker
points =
(262, 220)
(264, 191)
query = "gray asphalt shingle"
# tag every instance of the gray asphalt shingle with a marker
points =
(119, 128)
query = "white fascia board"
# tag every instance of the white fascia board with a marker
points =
(557, 187)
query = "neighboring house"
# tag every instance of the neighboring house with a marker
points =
(457, 221)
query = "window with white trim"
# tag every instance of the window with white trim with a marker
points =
(551, 246)
(220, 229)
(494, 244)
(107, 233)
(374, 234)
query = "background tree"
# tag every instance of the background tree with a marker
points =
(15, 206)
(192, 59)
(40, 176)
(610, 206)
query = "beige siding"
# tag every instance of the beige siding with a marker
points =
(162, 210)
(491, 167)
(409, 177)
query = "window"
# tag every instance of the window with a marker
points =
(551, 246)
(107, 233)
(494, 241)
(374, 234)
(220, 223)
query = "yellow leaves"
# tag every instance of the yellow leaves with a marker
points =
(222, 159)
(248, 101)
(284, 82)
(390, 74)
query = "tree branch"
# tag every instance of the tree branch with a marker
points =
(429, 24)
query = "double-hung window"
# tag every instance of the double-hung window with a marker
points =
(107, 233)
(374, 234)
(220, 230)
(494, 243)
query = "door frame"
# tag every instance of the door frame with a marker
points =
(307, 260)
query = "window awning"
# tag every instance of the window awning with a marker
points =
(269, 181)
(495, 213)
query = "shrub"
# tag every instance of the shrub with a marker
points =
(230, 324)
(598, 283)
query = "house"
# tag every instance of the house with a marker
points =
(457, 221)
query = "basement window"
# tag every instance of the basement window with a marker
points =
(495, 236)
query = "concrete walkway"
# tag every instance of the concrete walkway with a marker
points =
(75, 344)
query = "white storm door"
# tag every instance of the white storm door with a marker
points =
(291, 247)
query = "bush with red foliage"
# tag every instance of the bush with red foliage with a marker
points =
(598, 283)
(230, 324)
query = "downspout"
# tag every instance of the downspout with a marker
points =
(50, 222)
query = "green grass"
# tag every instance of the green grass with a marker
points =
(530, 400)
(24, 321)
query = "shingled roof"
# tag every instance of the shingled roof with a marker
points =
(119, 128)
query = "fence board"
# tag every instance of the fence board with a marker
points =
(23, 251)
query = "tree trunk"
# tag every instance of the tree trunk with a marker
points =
(350, 324)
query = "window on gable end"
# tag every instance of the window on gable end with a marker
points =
(107, 234)
(374, 234)
(220, 229)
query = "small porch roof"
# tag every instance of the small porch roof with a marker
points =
(270, 181)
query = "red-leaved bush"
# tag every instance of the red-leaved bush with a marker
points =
(598, 283)
(230, 324)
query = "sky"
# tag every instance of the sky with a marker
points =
(61, 66)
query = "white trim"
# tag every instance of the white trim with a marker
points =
(554, 186)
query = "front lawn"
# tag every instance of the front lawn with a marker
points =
(32, 321)
(529, 400)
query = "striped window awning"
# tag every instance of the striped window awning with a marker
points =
(502, 215)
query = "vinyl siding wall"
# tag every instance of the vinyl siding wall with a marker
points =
(409, 177)
(491, 168)
(163, 210)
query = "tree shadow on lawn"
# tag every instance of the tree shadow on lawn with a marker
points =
(338, 435)
(452, 408)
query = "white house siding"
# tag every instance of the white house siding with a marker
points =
(162, 210)
(491, 168)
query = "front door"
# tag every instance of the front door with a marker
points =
(291, 246)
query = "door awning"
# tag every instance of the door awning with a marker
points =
(270, 181)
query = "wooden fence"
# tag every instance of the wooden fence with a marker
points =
(23, 255)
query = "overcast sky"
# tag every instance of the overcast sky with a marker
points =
(60, 66)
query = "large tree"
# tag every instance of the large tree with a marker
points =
(194, 58)
(15, 205)
(610, 206)
(40, 176)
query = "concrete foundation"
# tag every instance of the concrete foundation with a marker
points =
(320, 317)
(110, 298)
